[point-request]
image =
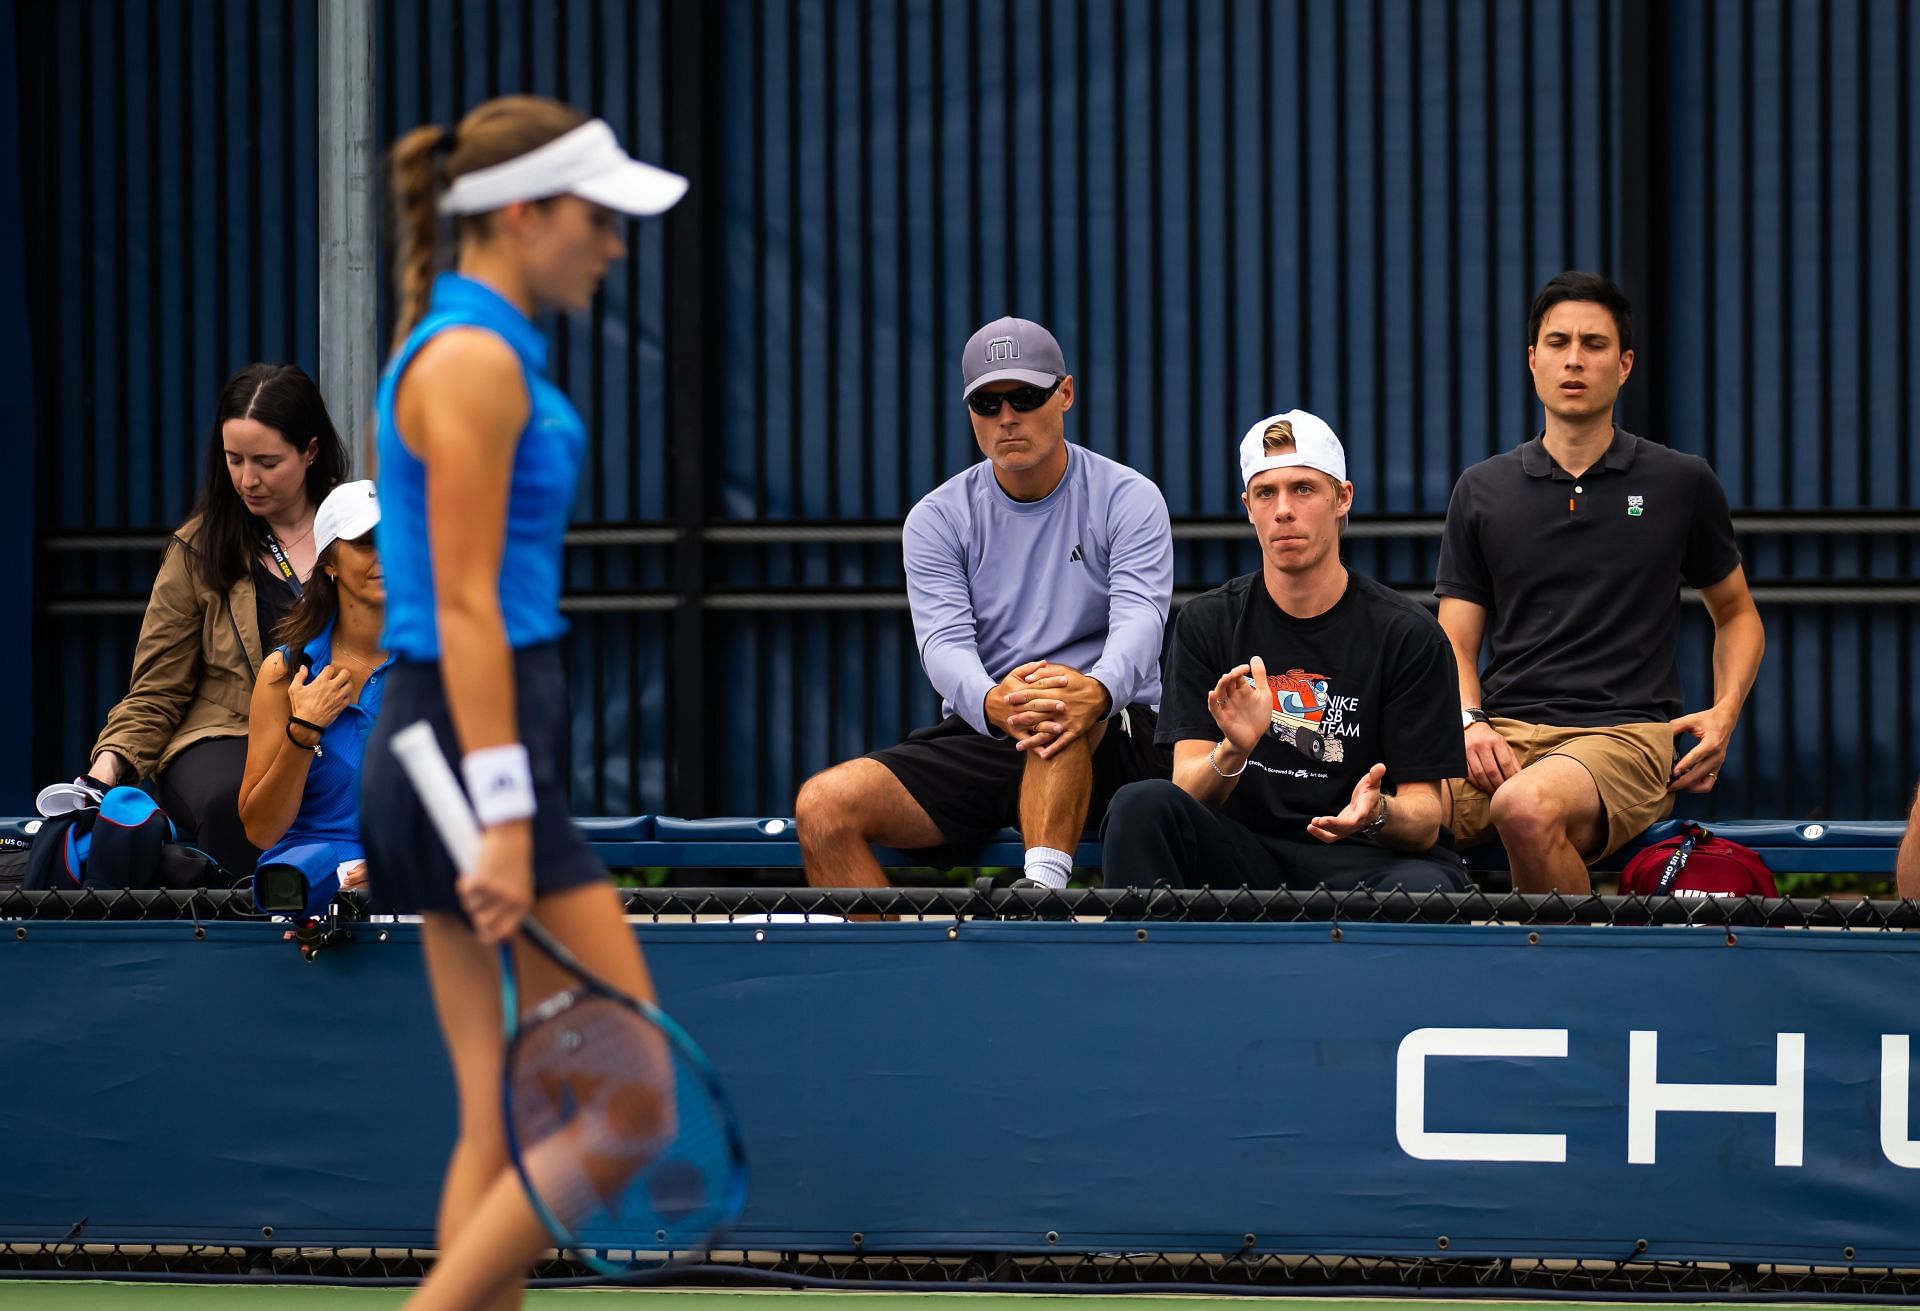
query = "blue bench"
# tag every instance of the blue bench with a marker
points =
(1858, 846)
(747, 842)
(649, 841)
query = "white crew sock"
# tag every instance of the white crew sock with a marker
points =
(1050, 866)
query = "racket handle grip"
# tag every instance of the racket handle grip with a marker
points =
(439, 791)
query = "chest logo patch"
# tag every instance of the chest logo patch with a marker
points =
(1636, 506)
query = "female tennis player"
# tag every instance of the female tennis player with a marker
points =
(478, 458)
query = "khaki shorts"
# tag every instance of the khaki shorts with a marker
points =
(1631, 766)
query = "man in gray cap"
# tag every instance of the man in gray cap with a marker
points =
(1039, 580)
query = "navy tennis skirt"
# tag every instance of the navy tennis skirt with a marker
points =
(408, 870)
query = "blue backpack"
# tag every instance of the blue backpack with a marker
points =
(125, 842)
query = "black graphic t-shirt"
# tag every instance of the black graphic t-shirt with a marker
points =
(1372, 680)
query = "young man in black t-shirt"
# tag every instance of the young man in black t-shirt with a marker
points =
(1313, 713)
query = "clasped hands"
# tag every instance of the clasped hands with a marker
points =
(1045, 707)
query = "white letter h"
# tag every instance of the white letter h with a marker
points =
(1783, 1098)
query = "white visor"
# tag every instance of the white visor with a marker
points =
(587, 162)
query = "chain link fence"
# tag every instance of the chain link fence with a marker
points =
(1240, 1273)
(985, 901)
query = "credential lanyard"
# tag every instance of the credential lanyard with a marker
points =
(286, 565)
(1678, 861)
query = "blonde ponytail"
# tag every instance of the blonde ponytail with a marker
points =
(424, 162)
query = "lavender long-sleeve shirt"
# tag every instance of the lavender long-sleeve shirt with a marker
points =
(1082, 577)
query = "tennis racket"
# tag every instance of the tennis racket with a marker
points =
(616, 1123)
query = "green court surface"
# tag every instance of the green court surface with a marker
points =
(22, 1295)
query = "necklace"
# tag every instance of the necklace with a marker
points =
(340, 653)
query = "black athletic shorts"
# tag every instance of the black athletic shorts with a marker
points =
(408, 870)
(969, 784)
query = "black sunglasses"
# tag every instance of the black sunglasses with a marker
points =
(1023, 399)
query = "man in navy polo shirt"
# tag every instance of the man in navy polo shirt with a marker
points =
(1567, 555)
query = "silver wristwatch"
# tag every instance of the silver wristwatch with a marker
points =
(1379, 821)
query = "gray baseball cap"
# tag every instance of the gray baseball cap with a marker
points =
(1011, 349)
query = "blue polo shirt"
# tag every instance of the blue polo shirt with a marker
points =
(546, 470)
(326, 831)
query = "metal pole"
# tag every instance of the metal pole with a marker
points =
(21, 658)
(692, 113)
(349, 298)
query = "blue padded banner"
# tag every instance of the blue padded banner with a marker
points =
(1125, 1087)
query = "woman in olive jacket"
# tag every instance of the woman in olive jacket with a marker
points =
(228, 577)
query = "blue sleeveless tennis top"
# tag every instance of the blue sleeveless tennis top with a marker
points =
(546, 470)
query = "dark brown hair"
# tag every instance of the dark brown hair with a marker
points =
(282, 397)
(1591, 287)
(426, 160)
(319, 602)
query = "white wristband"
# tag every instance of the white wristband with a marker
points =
(500, 783)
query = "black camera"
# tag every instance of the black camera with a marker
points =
(280, 889)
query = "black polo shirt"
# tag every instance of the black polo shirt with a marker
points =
(1581, 576)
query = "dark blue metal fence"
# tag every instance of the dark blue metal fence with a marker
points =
(1222, 207)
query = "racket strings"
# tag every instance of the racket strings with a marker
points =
(617, 1138)
(597, 1060)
